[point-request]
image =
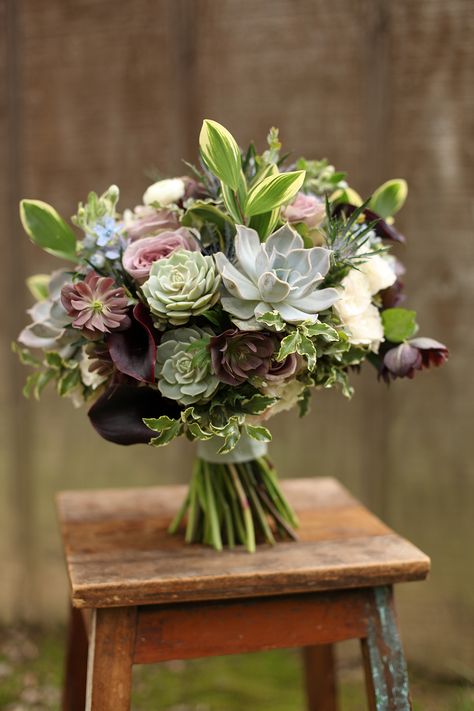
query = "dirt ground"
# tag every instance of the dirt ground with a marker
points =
(31, 669)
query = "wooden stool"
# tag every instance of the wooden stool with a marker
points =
(151, 598)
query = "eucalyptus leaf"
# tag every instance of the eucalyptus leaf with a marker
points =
(273, 191)
(221, 153)
(389, 197)
(399, 324)
(46, 228)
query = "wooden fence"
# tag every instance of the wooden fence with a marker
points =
(99, 92)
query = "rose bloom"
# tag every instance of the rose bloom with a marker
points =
(357, 313)
(140, 255)
(146, 221)
(305, 208)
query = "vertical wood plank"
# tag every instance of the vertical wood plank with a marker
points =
(109, 671)
(320, 677)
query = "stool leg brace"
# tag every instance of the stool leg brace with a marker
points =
(122, 636)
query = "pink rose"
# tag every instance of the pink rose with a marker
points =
(147, 221)
(140, 255)
(305, 208)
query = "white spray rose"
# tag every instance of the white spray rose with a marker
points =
(164, 192)
(379, 273)
(359, 316)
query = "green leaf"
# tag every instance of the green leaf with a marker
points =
(273, 191)
(197, 432)
(288, 345)
(221, 153)
(265, 223)
(273, 320)
(46, 228)
(160, 424)
(208, 213)
(166, 435)
(69, 381)
(53, 360)
(257, 404)
(36, 382)
(346, 195)
(328, 333)
(305, 347)
(389, 197)
(399, 324)
(231, 203)
(25, 356)
(231, 435)
(38, 286)
(259, 433)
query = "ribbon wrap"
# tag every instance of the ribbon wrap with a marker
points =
(245, 450)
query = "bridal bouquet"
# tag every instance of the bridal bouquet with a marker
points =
(224, 298)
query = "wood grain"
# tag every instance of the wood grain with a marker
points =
(187, 631)
(118, 551)
(320, 677)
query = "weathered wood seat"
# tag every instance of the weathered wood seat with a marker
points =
(152, 598)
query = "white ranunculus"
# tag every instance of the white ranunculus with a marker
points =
(379, 273)
(358, 315)
(164, 192)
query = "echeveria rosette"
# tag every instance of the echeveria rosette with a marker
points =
(179, 376)
(239, 355)
(181, 286)
(96, 305)
(277, 275)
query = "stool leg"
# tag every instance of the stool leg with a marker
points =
(320, 677)
(384, 661)
(74, 689)
(109, 669)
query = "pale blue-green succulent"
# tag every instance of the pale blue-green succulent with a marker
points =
(182, 376)
(180, 286)
(276, 275)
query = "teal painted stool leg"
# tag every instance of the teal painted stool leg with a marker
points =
(384, 661)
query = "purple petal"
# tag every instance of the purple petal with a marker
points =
(133, 351)
(118, 414)
(403, 360)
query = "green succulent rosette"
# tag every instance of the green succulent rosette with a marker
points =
(181, 286)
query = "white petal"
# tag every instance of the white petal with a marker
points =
(247, 248)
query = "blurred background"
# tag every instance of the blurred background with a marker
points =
(96, 92)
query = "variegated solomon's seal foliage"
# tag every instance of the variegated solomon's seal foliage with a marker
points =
(225, 297)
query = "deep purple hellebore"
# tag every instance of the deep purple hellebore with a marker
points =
(404, 360)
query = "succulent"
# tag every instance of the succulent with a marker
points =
(277, 275)
(96, 304)
(183, 285)
(49, 320)
(238, 355)
(182, 376)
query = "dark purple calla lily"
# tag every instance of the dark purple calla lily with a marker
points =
(416, 354)
(133, 351)
(118, 414)
(381, 228)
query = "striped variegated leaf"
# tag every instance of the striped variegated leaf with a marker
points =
(221, 153)
(46, 228)
(273, 191)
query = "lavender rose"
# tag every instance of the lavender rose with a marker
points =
(140, 255)
(305, 208)
(146, 221)
(238, 355)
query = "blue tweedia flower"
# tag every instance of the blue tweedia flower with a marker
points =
(109, 234)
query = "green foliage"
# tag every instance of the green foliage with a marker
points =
(273, 320)
(202, 211)
(258, 432)
(38, 286)
(399, 324)
(273, 191)
(389, 197)
(166, 427)
(47, 229)
(96, 208)
(221, 153)
(321, 177)
(308, 340)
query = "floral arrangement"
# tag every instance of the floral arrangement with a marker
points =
(227, 296)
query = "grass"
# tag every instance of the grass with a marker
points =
(31, 670)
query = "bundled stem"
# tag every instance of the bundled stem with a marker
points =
(235, 503)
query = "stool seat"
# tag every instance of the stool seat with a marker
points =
(119, 553)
